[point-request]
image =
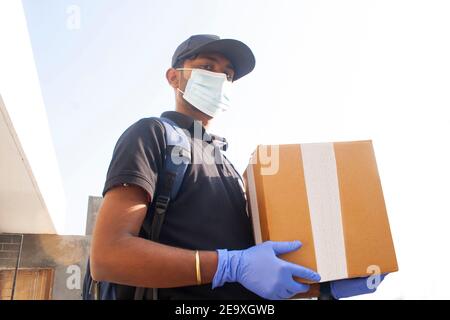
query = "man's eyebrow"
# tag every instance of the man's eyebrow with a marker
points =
(229, 66)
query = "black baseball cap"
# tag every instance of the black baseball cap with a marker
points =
(239, 54)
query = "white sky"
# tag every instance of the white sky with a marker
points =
(325, 71)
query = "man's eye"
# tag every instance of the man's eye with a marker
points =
(210, 67)
(207, 67)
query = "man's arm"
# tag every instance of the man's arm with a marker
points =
(118, 254)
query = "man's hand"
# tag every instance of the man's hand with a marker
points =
(260, 270)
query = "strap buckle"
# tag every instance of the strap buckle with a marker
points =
(220, 142)
(161, 204)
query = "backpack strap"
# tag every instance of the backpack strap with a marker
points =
(176, 160)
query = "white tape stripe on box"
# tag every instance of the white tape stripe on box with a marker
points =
(322, 188)
(253, 204)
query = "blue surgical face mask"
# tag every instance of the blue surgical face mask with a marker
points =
(207, 91)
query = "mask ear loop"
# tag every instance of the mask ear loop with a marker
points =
(178, 89)
(182, 70)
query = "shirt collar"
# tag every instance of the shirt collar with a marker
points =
(187, 122)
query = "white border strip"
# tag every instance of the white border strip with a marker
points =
(253, 202)
(319, 163)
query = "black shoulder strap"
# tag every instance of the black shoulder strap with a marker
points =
(176, 160)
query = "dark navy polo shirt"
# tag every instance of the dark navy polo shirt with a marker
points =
(210, 210)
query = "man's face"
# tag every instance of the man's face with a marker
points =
(210, 61)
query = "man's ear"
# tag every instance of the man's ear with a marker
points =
(172, 77)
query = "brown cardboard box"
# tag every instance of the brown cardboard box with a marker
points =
(328, 196)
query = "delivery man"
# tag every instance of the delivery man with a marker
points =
(206, 248)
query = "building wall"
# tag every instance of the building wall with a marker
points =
(67, 255)
(29, 167)
(94, 204)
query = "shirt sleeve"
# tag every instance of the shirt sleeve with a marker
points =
(137, 157)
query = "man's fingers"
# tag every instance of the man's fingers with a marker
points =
(304, 273)
(282, 247)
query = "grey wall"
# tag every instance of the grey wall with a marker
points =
(94, 204)
(67, 255)
(62, 253)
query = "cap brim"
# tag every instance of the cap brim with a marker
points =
(239, 54)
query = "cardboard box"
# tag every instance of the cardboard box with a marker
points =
(328, 196)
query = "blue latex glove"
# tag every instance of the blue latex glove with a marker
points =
(260, 270)
(354, 287)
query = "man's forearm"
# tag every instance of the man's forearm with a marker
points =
(138, 262)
